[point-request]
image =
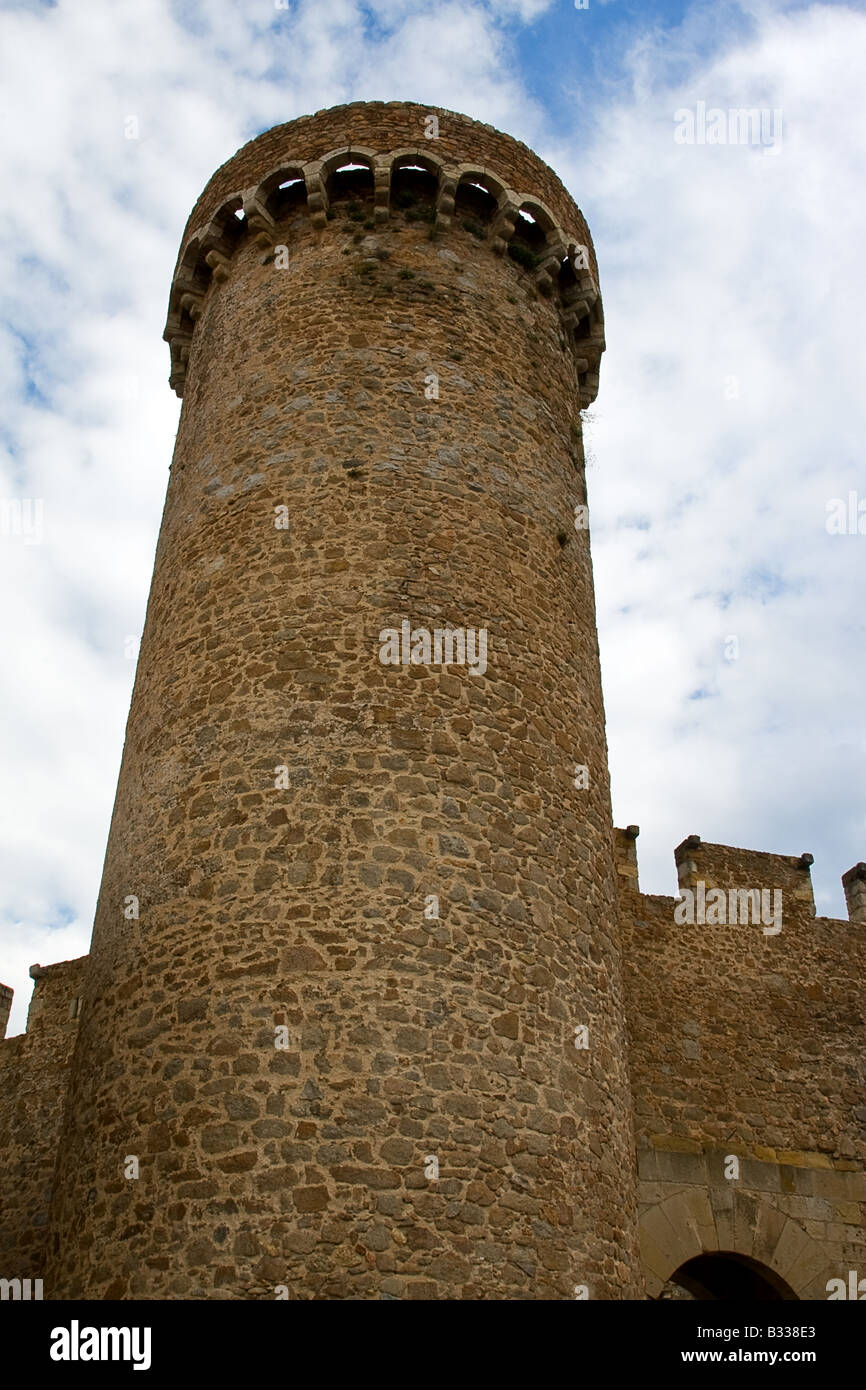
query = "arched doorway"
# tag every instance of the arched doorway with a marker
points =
(725, 1276)
(746, 1227)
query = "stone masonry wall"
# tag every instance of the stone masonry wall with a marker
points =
(429, 1129)
(749, 1044)
(34, 1074)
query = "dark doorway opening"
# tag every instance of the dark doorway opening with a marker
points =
(727, 1277)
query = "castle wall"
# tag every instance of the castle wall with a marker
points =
(748, 1042)
(34, 1074)
(412, 1040)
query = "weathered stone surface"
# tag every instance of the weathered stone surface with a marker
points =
(34, 1076)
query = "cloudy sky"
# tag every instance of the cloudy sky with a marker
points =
(731, 410)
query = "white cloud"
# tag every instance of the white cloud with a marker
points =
(720, 263)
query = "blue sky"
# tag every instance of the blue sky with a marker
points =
(731, 409)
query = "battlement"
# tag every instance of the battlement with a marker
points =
(392, 161)
(34, 1070)
(731, 869)
(6, 997)
(390, 126)
(854, 884)
(742, 1023)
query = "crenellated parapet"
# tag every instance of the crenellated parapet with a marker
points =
(727, 868)
(854, 884)
(34, 1070)
(549, 244)
(6, 996)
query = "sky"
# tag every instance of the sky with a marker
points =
(729, 422)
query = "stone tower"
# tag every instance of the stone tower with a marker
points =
(353, 1025)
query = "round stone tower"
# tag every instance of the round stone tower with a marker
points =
(354, 1023)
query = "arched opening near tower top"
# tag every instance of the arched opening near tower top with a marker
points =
(474, 200)
(414, 187)
(532, 228)
(352, 182)
(725, 1277)
(284, 192)
(230, 222)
